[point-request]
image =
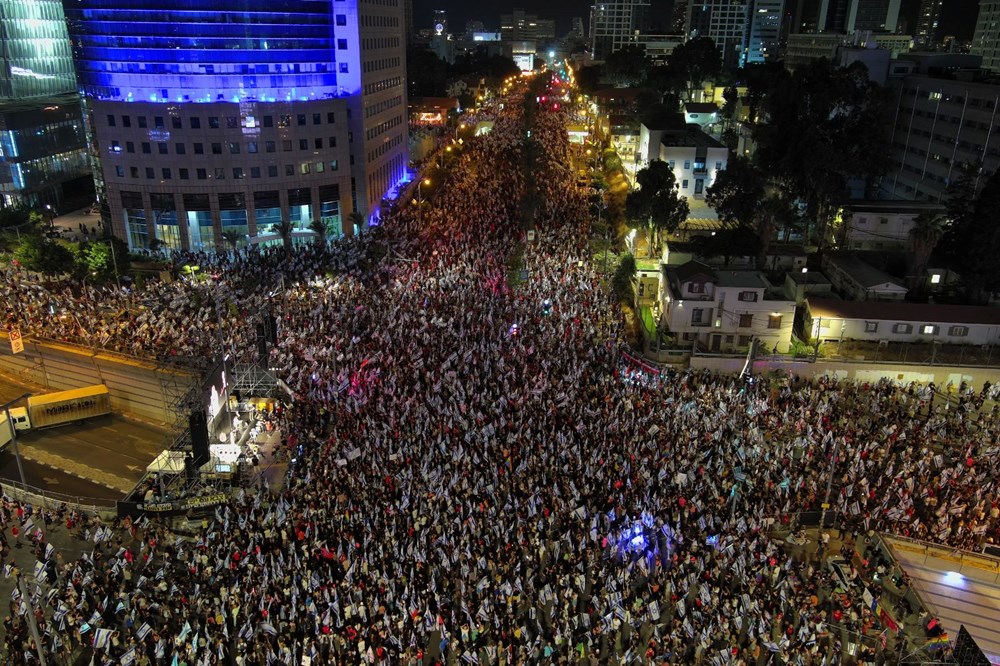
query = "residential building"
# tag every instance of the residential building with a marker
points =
(43, 147)
(724, 310)
(236, 120)
(702, 114)
(831, 320)
(858, 281)
(613, 25)
(986, 40)
(695, 158)
(882, 224)
(519, 26)
(624, 134)
(928, 18)
(657, 47)
(802, 285)
(726, 22)
(804, 47)
(946, 116)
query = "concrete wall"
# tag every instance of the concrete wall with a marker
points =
(138, 389)
(869, 372)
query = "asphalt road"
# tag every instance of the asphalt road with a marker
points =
(109, 453)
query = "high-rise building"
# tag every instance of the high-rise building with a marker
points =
(223, 118)
(745, 31)
(765, 30)
(873, 15)
(519, 26)
(42, 142)
(614, 24)
(986, 41)
(576, 28)
(928, 18)
(408, 21)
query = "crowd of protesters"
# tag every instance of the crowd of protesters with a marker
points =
(480, 475)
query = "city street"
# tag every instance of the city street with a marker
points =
(102, 458)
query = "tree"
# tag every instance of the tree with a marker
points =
(627, 66)
(321, 230)
(698, 60)
(824, 129)
(624, 278)
(106, 259)
(14, 216)
(357, 221)
(43, 255)
(284, 229)
(232, 239)
(427, 73)
(155, 244)
(736, 193)
(656, 205)
(728, 243)
(975, 234)
(928, 228)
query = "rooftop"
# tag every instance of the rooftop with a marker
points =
(895, 311)
(701, 107)
(743, 279)
(808, 278)
(692, 138)
(893, 206)
(865, 275)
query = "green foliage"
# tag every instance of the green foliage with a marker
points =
(14, 216)
(627, 66)
(656, 204)
(43, 255)
(427, 74)
(736, 193)
(974, 241)
(100, 258)
(697, 60)
(624, 278)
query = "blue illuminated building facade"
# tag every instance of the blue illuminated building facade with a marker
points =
(42, 142)
(215, 116)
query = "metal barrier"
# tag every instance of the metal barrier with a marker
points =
(51, 500)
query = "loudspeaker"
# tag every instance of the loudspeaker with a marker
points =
(271, 329)
(199, 437)
(261, 345)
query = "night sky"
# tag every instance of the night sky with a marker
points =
(958, 17)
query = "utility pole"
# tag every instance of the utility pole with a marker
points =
(32, 624)
(13, 436)
(829, 484)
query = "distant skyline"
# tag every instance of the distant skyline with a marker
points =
(958, 17)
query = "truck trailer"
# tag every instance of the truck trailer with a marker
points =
(54, 409)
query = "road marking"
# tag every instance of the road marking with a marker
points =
(50, 481)
(133, 468)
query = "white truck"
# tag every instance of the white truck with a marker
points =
(59, 408)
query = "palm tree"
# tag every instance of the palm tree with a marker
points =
(232, 237)
(928, 228)
(154, 245)
(321, 230)
(285, 229)
(357, 220)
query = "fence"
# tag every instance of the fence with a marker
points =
(911, 353)
(39, 497)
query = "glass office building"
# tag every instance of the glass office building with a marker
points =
(42, 143)
(216, 119)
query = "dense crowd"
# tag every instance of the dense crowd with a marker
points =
(481, 477)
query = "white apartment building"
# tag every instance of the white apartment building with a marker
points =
(882, 224)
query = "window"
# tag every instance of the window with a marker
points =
(183, 173)
(748, 296)
(161, 148)
(269, 146)
(255, 172)
(286, 145)
(936, 278)
(220, 173)
(268, 121)
(251, 146)
(332, 142)
(303, 144)
(234, 148)
(929, 329)
(216, 148)
(175, 122)
(317, 143)
(147, 148)
(671, 164)
(317, 118)
(284, 120)
(126, 121)
(195, 123)
(111, 120)
(746, 320)
(333, 165)
(150, 173)
(272, 171)
(330, 117)
(902, 328)
(687, 164)
(696, 287)
(134, 172)
(341, 44)
(116, 147)
(179, 148)
(304, 168)
(718, 166)
(238, 173)
(684, 184)
(699, 316)
(166, 173)
(958, 331)
(341, 19)
(300, 119)
(289, 169)
(318, 167)
(142, 121)
(129, 147)
(774, 321)
(199, 149)
(213, 122)
(232, 122)
(883, 220)
(201, 173)
(158, 122)
(871, 327)
(343, 67)
(120, 170)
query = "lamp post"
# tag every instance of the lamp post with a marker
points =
(13, 436)
(420, 200)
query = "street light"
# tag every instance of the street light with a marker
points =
(13, 436)
(420, 200)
